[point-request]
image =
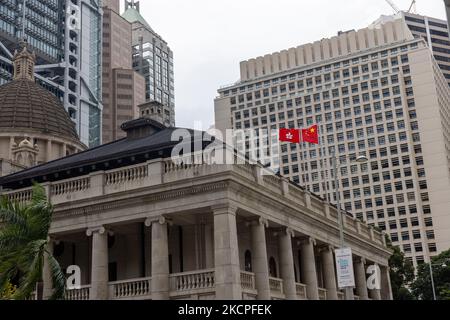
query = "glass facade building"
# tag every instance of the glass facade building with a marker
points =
(66, 37)
(153, 59)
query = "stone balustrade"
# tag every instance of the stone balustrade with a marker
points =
(126, 175)
(78, 294)
(276, 286)
(248, 281)
(301, 291)
(190, 281)
(341, 295)
(130, 289)
(70, 186)
(20, 196)
(322, 294)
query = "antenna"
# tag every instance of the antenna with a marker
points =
(393, 6)
(24, 7)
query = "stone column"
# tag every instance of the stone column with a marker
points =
(375, 294)
(287, 263)
(226, 254)
(260, 263)
(160, 258)
(329, 272)
(11, 144)
(386, 288)
(47, 274)
(100, 261)
(360, 279)
(49, 150)
(308, 268)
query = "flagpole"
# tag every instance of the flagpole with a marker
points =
(302, 159)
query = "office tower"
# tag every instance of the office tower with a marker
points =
(447, 10)
(123, 88)
(376, 92)
(68, 50)
(433, 31)
(153, 59)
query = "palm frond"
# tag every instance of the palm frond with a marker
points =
(58, 279)
(32, 263)
(11, 238)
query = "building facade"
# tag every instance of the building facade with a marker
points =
(123, 88)
(143, 225)
(153, 59)
(66, 36)
(433, 31)
(377, 92)
(34, 127)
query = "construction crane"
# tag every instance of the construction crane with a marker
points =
(412, 7)
(392, 4)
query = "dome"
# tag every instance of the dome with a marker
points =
(25, 106)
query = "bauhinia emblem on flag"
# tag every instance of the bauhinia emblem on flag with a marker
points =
(311, 135)
(290, 135)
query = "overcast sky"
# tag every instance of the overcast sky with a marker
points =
(210, 37)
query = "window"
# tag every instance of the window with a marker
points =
(248, 261)
(273, 268)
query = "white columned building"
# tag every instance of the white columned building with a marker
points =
(141, 226)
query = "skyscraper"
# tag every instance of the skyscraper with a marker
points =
(153, 59)
(123, 88)
(66, 36)
(433, 31)
(377, 92)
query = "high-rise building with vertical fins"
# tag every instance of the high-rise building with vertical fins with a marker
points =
(66, 36)
(153, 59)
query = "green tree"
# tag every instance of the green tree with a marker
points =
(23, 245)
(401, 273)
(421, 287)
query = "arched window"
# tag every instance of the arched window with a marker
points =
(248, 261)
(273, 268)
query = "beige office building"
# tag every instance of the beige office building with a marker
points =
(376, 92)
(433, 31)
(123, 89)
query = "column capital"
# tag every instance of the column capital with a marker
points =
(159, 219)
(99, 230)
(326, 247)
(308, 240)
(224, 208)
(258, 221)
(285, 231)
(361, 260)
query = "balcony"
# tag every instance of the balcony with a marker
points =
(182, 285)
(136, 289)
(276, 288)
(192, 283)
(248, 285)
(301, 291)
(322, 294)
(78, 294)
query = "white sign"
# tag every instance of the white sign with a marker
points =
(344, 268)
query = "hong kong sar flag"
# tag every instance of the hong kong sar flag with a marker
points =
(290, 135)
(311, 135)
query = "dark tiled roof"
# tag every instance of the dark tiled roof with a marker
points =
(154, 146)
(24, 105)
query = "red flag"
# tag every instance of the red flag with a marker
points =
(290, 135)
(311, 135)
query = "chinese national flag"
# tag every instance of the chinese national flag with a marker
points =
(290, 135)
(311, 135)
